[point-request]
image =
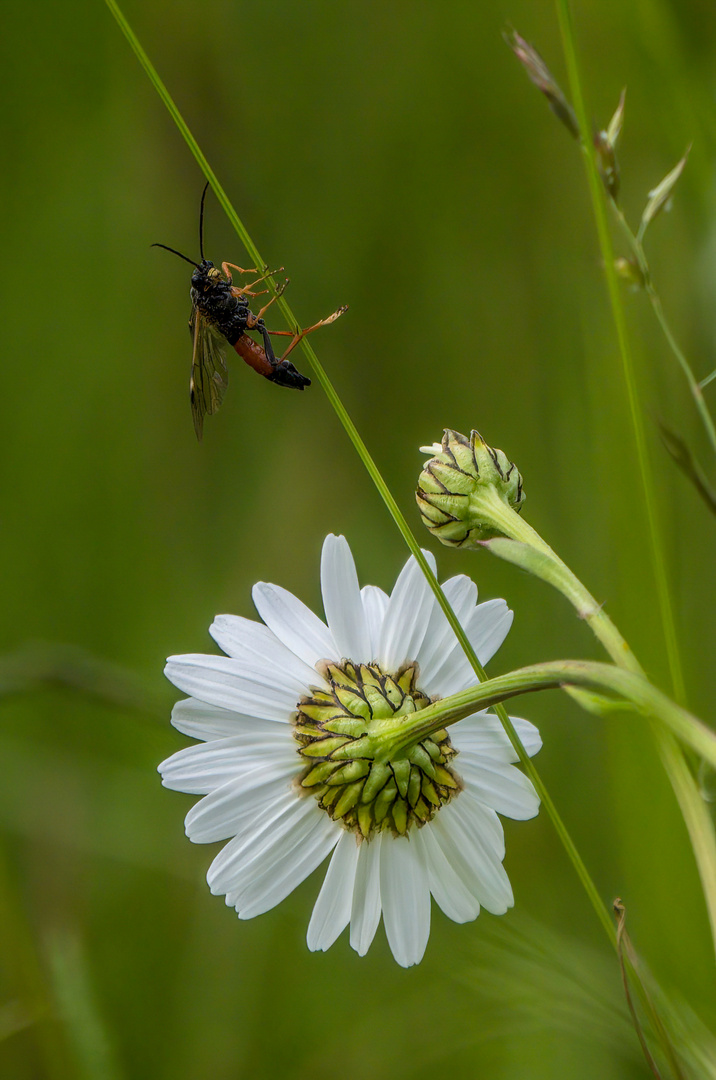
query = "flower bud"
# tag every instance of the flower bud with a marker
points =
(467, 492)
(660, 196)
(629, 271)
(605, 145)
(607, 163)
(543, 79)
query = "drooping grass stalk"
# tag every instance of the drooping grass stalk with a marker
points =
(696, 388)
(374, 473)
(615, 298)
(629, 960)
(698, 821)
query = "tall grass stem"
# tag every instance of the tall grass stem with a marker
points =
(694, 811)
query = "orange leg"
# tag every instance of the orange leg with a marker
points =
(279, 291)
(227, 267)
(299, 335)
(244, 291)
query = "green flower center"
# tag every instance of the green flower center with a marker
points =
(338, 732)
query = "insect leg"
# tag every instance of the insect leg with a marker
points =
(252, 324)
(309, 330)
(260, 325)
(227, 267)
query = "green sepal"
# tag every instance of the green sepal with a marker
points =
(352, 702)
(352, 770)
(323, 748)
(354, 749)
(401, 771)
(379, 776)
(376, 701)
(364, 814)
(406, 681)
(414, 786)
(445, 778)
(319, 774)
(384, 800)
(433, 749)
(420, 757)
(320, 714)
(400, 816)
(433, 516)
(456, 481)
(429, 791)
(393, 693)
(330, 797)
(345, 725)
(348, 799)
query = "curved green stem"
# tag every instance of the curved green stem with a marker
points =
(523, 546)
(584, 675)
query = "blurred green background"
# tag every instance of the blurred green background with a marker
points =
(392, 156)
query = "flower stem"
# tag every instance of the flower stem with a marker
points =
(584, 675)
(374, 473)
(526, 549)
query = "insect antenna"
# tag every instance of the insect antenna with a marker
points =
(175, 252)
(201, 220)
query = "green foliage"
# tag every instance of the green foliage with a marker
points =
(394, 158)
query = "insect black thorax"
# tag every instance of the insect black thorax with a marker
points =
(215, 299)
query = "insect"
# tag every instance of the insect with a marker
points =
(221, 314)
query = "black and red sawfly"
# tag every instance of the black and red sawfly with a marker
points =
(221, 315)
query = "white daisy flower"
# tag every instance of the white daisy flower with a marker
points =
(289, 720)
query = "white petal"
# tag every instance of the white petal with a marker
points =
(405, 897)
(449, 891)
(406, 619)
(332, 910)
(276, 821)
(489, 626)
(484, 735)
(500, 786)
(375, 605)
(459, 829)
(294, 624)
(365, 912)
(207, 722)
(342, 601)
(254, 643)
(486, 628)
(461, 594)
(233, 809)
(484, 822)
(287, 866)
(200, 769)
(219, 680)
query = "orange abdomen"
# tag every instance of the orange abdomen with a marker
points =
(253, 354)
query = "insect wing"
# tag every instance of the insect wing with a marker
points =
(209, 375)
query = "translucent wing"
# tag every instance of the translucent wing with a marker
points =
(209, 376)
